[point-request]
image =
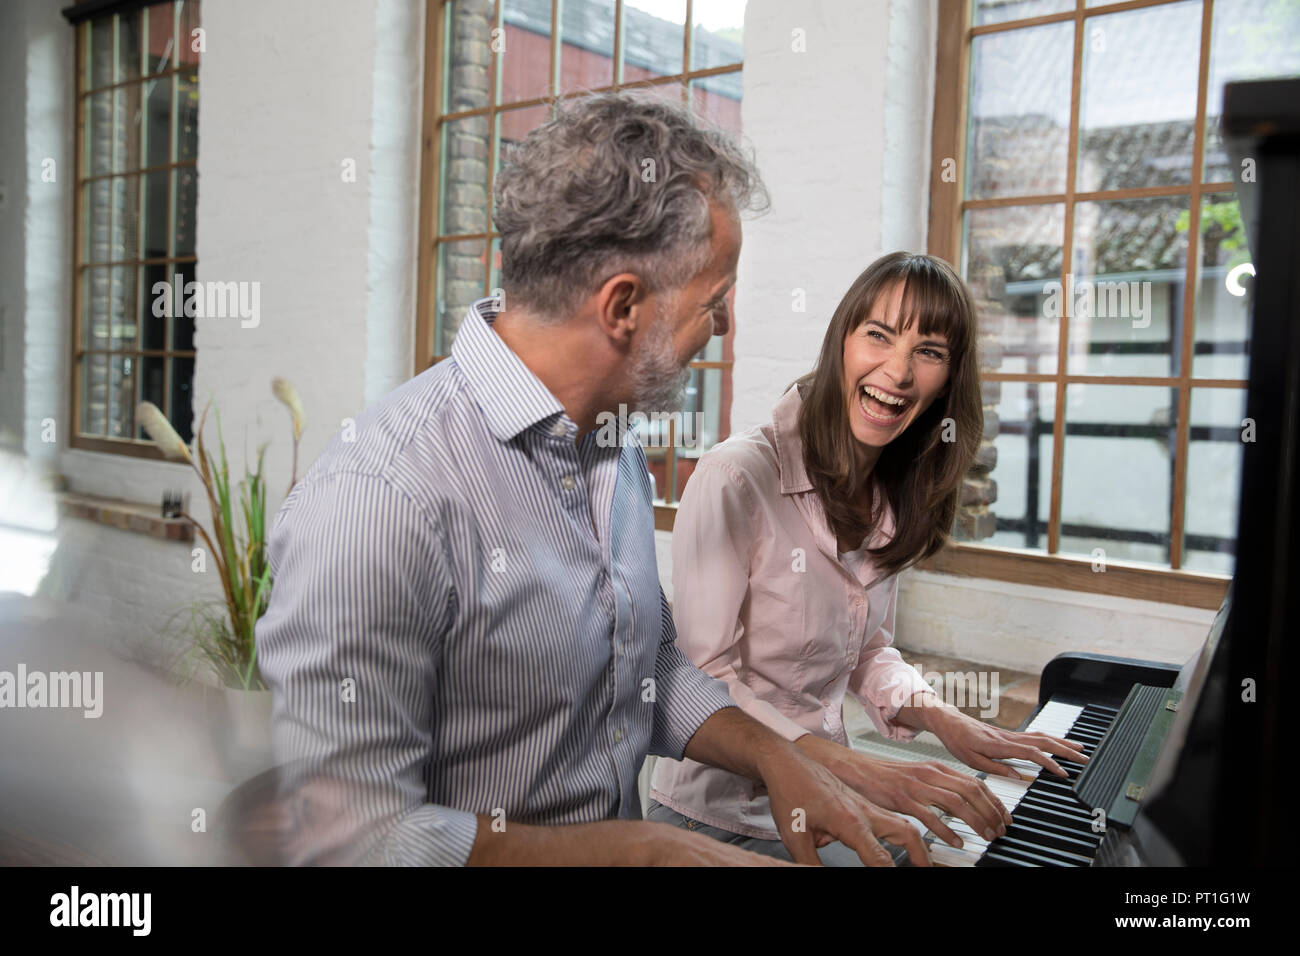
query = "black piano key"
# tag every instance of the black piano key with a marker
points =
(1060, 829)
(1043, 836)
(993, 858)
(1064, 819)
(1018, 850)
(1024, 842)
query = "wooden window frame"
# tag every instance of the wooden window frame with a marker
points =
(436, 13)
(82, 16)
(947, 205)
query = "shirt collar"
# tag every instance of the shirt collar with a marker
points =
(789, 446)
(512, 398)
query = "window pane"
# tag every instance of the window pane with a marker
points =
(1118, 471)
(461, 277)
(523, 51)
(1214, 478)
(125, 193)
(1251, 39)
(467, 54)
(121, 396)
(1010, 254)
(128, 46)
(182, 402)
(183, 326)
(157, 148)
(1125, 295)
(1137, 109)
(586, 44)
(190, 21)
(514, 125)
(151, 387)
(129, 120)
(1002, 11)
(97, 200)
(94, 394)
(1020, 463)
(654, 40)
(717, 99)
(1019, 111)
(186, 180)
(156, 212)
(95, 318)
(672, 91)
(717, 33)
(123, 307)
(1225, 277)
(160, 29)
(153, 328)
(99, 137)
(463, 203)
(187, 116)
(101, 52)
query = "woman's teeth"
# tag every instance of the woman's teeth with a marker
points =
(881, 406)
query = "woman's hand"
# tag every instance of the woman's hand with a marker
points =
(981, 746)
(914, 788)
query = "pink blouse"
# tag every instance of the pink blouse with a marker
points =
(763, 600)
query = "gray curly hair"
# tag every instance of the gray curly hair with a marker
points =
(574, 204)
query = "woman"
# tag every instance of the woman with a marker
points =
(786, 552)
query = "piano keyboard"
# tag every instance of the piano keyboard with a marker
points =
(1050, 827)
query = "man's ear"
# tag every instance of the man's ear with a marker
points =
(622, 306)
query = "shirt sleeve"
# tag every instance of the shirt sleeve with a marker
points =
(883, 682)
(713, 536)
(350, 647)
(685, 697)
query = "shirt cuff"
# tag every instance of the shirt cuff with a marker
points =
(430, 835)
(887, 698)
(685, 697)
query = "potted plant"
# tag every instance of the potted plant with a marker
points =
(222, 634)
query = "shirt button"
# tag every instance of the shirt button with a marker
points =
(558, 429)
(618, 736)
(568, 482)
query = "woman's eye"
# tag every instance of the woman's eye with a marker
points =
(877, 335)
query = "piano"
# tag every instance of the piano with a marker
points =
(1185, 764)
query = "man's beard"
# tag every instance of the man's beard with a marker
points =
(657, 381)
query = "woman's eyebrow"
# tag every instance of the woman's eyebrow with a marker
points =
(893, 331)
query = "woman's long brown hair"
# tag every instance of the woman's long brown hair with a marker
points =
(918, 473)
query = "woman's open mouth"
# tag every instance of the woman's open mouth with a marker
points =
(880, 406)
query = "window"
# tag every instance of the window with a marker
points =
(498, 66)
(136, 189)
(1081, 183)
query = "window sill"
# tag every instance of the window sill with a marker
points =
(126, 516)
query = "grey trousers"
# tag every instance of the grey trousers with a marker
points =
(833, 854)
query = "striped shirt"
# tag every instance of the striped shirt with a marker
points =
(467, 616)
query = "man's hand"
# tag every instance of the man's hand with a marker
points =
(914, 788)
(812, 807)
(981, 746)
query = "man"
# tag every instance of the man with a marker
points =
(467, 643)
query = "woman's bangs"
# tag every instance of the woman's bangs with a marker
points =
(932, 304)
